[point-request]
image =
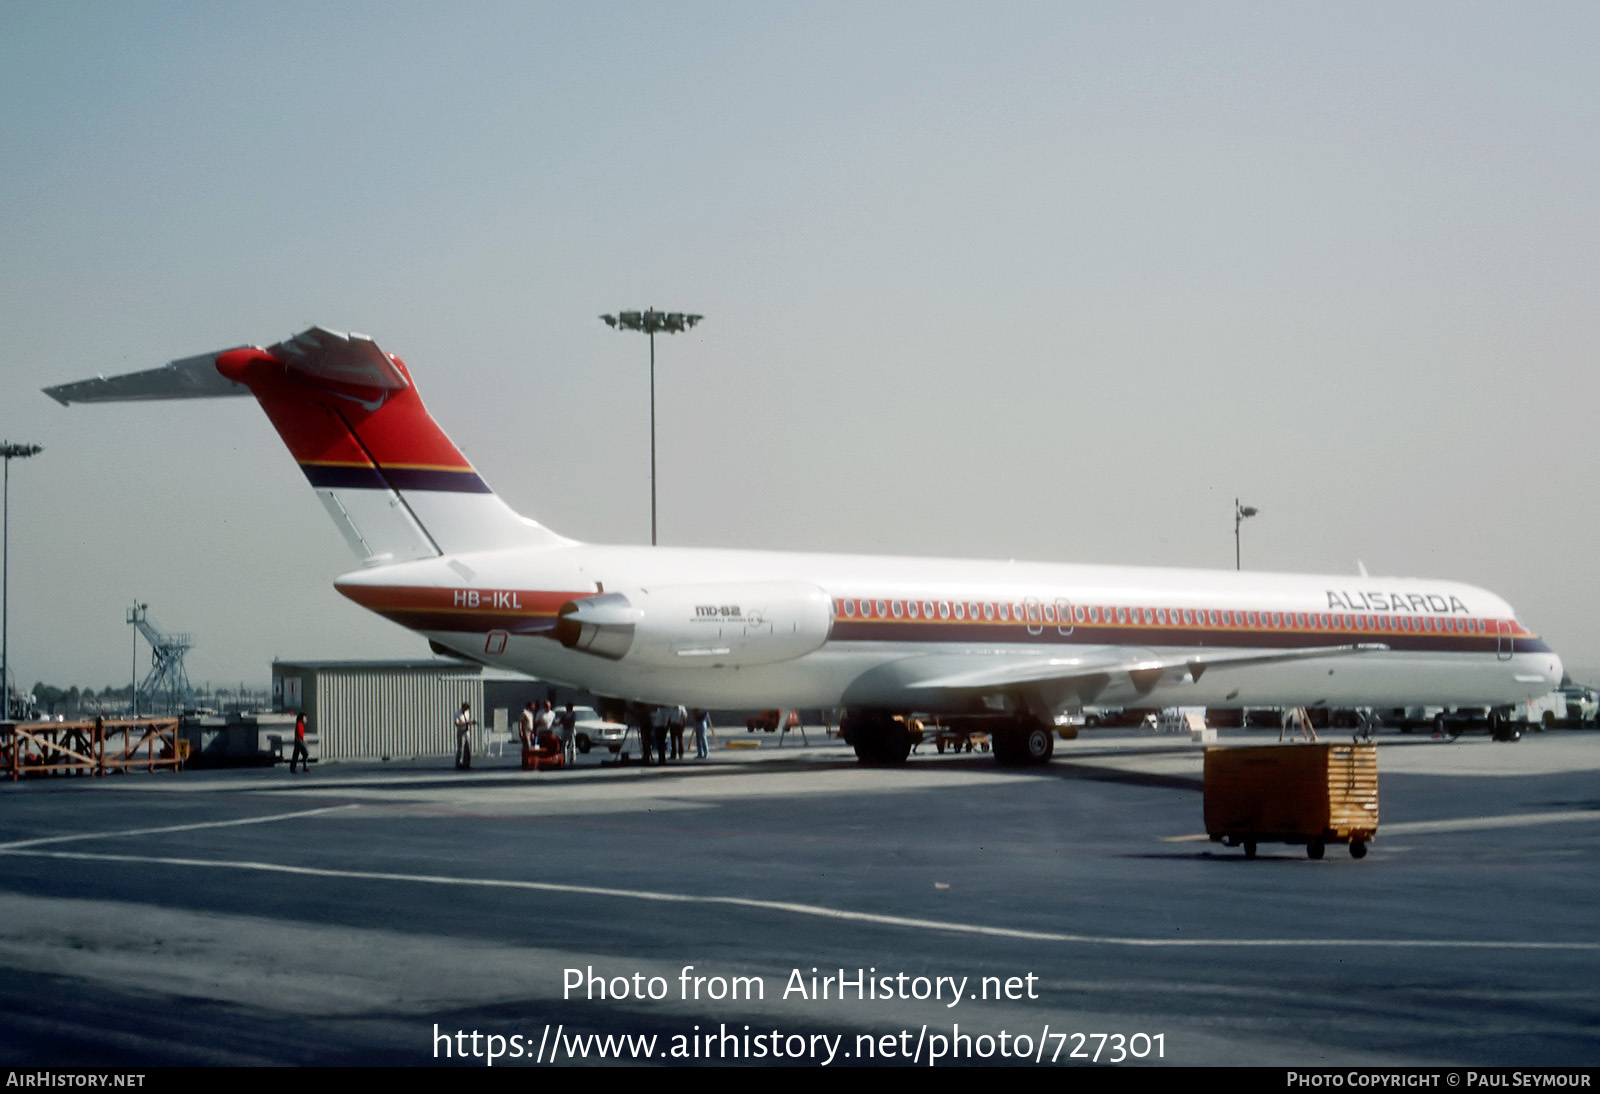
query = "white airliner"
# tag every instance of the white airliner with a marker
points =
(1019, 643)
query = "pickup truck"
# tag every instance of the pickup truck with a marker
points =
(1570, 705)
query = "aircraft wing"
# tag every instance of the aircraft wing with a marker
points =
(944, 674)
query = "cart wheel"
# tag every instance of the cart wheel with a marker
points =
(1249, 848)
(1358, 848)
(1315, 848)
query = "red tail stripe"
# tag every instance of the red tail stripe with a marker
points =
(320, 421)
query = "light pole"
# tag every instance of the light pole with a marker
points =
(1240, 512)
(10, 452)
(136, 615)
(650, 321)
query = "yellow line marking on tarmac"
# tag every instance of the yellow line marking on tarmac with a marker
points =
(19, 844)
(823, 912)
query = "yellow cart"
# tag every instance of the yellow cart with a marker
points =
(1311, 794)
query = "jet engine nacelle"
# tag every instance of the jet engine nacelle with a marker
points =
(713, 626)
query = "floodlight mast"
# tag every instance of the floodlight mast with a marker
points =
(649, 322)
(1240, 512)
(9, 452)
(136, 616)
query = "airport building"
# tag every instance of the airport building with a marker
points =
(399, 709)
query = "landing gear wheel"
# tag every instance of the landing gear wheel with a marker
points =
(1502, 728)
(1358, 848)
(865, 738)
(878, 739)
(1315, 848)
(896, 742)
(1007, 747)
(1038, 744)
(1025, 743)
(1249, 848)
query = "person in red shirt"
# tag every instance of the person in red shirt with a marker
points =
(301, 756)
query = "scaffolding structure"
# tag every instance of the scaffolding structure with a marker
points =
(103, 746)
(166, 685)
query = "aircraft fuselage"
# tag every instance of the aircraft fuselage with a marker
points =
(1432, 642)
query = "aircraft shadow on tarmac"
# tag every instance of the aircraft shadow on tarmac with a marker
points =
(430, 778)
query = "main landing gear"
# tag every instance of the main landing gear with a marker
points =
(1025, 742)
(881, 738)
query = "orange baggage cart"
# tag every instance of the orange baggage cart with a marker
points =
(1311, 794)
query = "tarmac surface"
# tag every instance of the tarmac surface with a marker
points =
(371, 913)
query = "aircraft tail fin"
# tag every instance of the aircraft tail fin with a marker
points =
(350, 415)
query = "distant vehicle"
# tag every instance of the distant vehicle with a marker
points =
(954, 735)
(1545, 712)
(767, 721)
(1113, 716)
(1572, 705)
(590, 729)
(1569, 705)
(1181, 720)
(1583, 704)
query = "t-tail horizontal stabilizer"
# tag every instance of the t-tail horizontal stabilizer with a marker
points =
(190, 378)
(394, 484)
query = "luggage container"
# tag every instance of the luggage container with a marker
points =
(1311, 794)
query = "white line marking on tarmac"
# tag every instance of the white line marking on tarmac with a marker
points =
(1459, 824)
(1510, 820)
(821, 911)
(19, 844)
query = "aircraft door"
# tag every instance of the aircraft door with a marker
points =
(1505, 640)
(1035, 615)
(1063, 617)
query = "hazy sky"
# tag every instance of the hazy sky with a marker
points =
(1051, 281)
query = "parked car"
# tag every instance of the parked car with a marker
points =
(590, 730)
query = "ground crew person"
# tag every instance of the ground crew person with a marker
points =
(300, 755)
(464, 723)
